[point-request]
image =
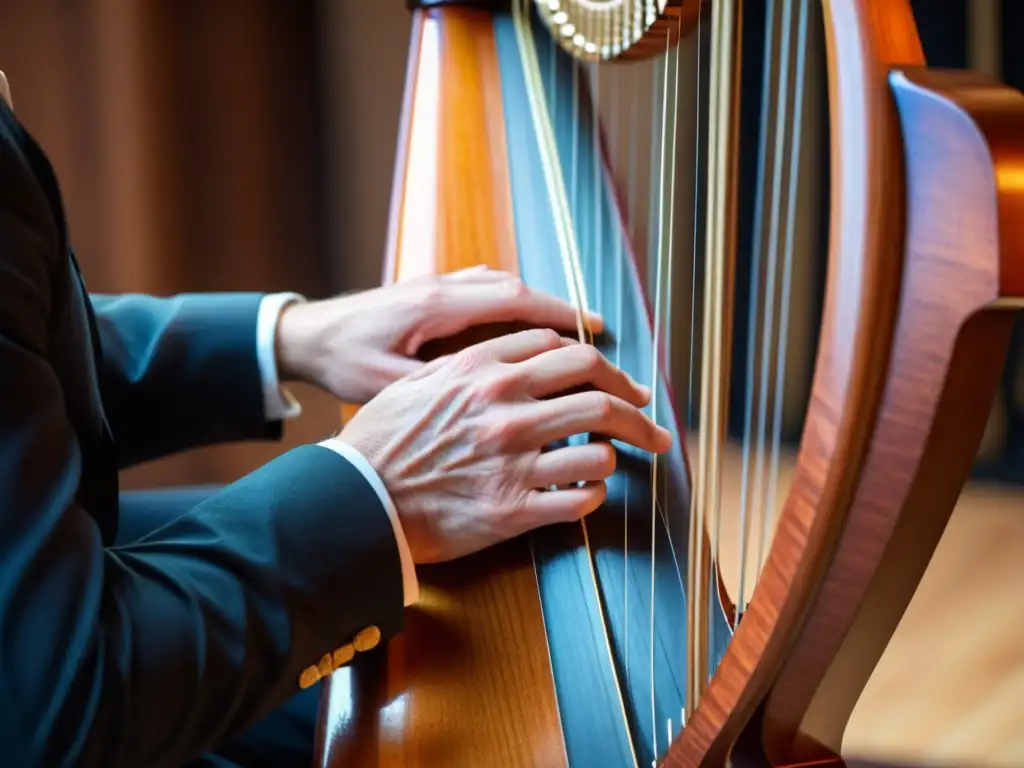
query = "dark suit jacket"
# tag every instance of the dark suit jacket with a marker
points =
(150, 653)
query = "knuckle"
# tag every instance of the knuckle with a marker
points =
(515, 288)
(593, 360)
(549, 338)
(607, 459)
(433, 294)
(486, 392)
(603, 406)
(497, 435)
(466, 361)
(543, 338)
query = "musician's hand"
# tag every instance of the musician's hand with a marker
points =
(353, 346)
(458, 443)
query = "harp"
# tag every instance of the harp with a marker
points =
(717, 609)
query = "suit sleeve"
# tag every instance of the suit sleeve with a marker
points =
(151, 653)
(180, 372)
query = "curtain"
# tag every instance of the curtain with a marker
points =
(188, 140)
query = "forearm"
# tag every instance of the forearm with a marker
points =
(151, 653)
(275, 402)
(181, 372)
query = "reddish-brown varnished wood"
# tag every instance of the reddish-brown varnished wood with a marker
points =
(964, 137)
(468, 681)
(866, 237)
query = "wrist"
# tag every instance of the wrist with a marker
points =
(294, 343)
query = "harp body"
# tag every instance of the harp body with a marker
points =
(503, 662)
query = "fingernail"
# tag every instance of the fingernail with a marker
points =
(666, 437)
(644, 391)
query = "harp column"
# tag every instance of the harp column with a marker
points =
(469, 678)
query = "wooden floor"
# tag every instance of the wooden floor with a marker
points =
(950, 689)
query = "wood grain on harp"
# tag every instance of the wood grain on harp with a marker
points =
(731, 600)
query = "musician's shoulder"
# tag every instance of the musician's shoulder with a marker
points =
(28, 182)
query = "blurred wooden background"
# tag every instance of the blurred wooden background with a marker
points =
(216, 145)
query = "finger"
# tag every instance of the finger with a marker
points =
(593, 412)
(481, 273)
(483, 301)
(592, 462)
(547, 507)
(573, 366)
(516, 347)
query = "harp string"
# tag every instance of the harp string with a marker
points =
(617, 243)
(595, 159)
(694, 644)
(631, 16)
(670, 248)
(705, 518)
(574, 170)
(653, 164)
(691, 346)
(569, 255)
(662, 316)
(768, 342)
(687, 423)
(655, 358)
(772, 266)
(787, 271)
(783, 115)
(754, 322)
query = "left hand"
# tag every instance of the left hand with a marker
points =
(353, 346)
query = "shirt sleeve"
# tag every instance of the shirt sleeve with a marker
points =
(278, 403)
(410, 584)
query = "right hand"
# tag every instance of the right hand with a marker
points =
(458, 443)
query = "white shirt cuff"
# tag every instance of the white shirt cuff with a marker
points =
(410, 585)
(278, 402)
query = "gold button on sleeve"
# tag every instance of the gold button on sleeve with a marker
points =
(310, 676)
(367, 639)
(326, 666)
(343, 655)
